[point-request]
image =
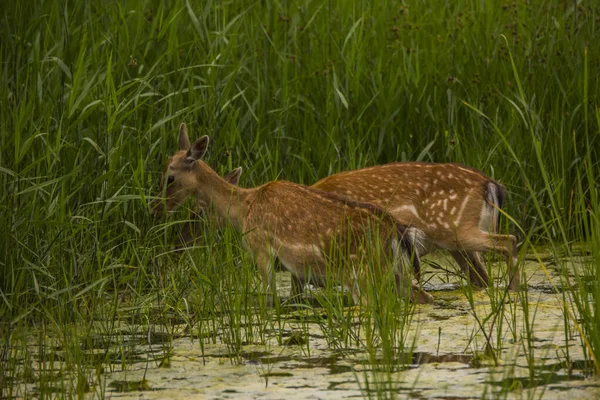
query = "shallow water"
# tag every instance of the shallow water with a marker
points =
(448, 355)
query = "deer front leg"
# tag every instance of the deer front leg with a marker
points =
(402, 262)
(267, 274)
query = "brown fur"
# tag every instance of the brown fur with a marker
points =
(303, 227)
(450, 203)
(190, 233)
(418, 185)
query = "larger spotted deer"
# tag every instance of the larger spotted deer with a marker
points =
(310, 231)
(455, 206)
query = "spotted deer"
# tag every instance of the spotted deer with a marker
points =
(305, 228)
(455, 206)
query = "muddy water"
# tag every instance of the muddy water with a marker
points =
(448, 359)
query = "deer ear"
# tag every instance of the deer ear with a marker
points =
(198, 149)
(184, 140)
(234, 176)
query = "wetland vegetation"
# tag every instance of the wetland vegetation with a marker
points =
(97, 301)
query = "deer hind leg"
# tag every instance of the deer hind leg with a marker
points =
(472, 266)
(503, 244)
(297, 284)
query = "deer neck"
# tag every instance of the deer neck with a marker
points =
(229, 201)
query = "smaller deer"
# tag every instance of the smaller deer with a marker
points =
(311, 232)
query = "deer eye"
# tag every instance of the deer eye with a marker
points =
(170, 180)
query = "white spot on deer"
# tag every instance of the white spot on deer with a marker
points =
(450, 175)
(441, 193)
(446, 225)
(406, 208)
(307, 249)
(468, 181)
(453, 210)
(461, 210)
(453, 196)
(445, 204)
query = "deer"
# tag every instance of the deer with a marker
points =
(316, 235)
(456, 207)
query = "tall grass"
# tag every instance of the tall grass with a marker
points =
(92, 93)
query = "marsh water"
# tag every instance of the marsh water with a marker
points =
(446, 356)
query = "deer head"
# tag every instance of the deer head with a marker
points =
(179, 175)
